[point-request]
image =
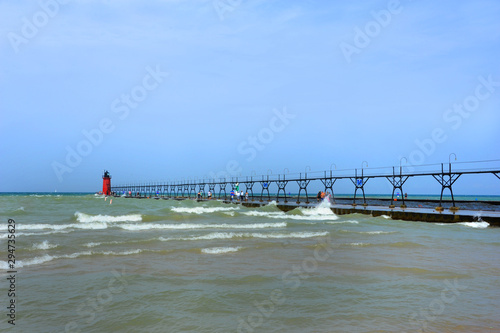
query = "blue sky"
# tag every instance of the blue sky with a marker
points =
(166, 90)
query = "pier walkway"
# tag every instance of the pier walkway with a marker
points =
(445, 176)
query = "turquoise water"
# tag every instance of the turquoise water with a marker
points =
(148, 265)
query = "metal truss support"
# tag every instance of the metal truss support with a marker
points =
(201, 189)
(211, 188)
(446, 180)
(303, 186)
(397, 182)
(359, 183)
(329, 182)
(281, 187)
(249, 186)
(192, 189)
(222, 187)
(265, 187)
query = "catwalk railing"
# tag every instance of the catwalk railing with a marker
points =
(443, 173)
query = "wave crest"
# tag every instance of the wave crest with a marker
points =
(203, 210)
(86, 218)
(183, 226)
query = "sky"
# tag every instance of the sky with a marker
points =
(169, 90)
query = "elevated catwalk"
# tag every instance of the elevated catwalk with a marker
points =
(445, 176)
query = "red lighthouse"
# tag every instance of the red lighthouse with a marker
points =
(106, 183)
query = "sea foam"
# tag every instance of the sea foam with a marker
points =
(45, 245)
(230, 235)
(86, 218)
(220, 250)
(203, 210)
(477, 225)
(184, 226)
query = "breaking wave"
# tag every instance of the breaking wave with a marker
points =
(86, 218)
(203, 210)
(477, 225)
(45, 245)
(46, 258)
(220, 250)
(230, 235)
(183, 226)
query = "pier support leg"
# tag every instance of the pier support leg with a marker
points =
(397, 182)
(359, 183)
(446, 180)
(303, 186)
(249, 187)
(265, 187)
(281, 187)
(222, 187)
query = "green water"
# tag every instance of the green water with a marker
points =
(84, 265)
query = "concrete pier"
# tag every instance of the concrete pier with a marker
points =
(426, 210)
(397, 213)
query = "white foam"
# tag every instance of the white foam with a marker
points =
(20, 209)
(266, 214)
(385, 216)
(358, 244)
(85, 218)
(181, 226)
(220, 250)
(92, 244)
(35, 233)
(308, 215)
(347, 221)
(229, 235)
(34, 261)
(303, 234)
(46, 257)
(272, 203)
(478, 225)
(45, 245)
(124, 253)
(377, 232)
(90, 225)
(203, 210)
(320, 212)
(75, 255)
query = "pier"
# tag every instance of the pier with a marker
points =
(446, 174)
